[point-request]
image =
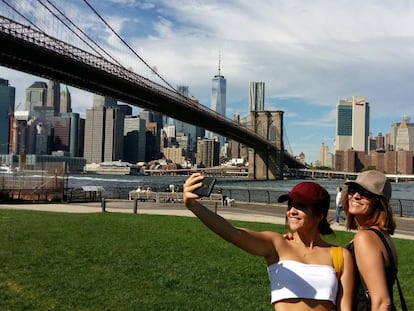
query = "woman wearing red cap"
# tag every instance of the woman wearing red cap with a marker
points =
(305, 272)
(367, 205)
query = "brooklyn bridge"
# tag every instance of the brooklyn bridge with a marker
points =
(29, 49)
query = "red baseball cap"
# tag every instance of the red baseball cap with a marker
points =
(308, 193)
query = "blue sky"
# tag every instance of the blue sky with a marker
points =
(310, 54)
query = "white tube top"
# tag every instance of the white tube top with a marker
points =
(293, 279)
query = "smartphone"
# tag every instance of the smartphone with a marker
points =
(207, 187)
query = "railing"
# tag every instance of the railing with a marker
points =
(37, 186)
(32, 195)
(401, 207)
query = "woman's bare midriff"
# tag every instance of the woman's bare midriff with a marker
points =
(303, 305)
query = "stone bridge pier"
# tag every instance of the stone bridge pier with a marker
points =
(266, 164)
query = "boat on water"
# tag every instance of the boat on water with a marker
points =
(5, 169)
(113, 168)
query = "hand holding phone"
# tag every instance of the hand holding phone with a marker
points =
(207, 187)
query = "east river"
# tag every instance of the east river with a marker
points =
(403, 190)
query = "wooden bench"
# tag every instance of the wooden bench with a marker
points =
(104, 203)
(169, 197)
(214, 197)
(143, 195)
(158, 197)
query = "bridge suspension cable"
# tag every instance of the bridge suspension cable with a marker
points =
(29, 8)
(32, 23)
(286, 142)
(128, 46)
(20, 14)
(80, 30)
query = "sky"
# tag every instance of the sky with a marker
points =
(310, 54)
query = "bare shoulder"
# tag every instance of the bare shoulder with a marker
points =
(264, 235)
(366, 241)
(365, 236)
(272, 235)
(277, 239)
(347, 254)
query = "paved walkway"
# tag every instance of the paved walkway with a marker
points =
(240, 211)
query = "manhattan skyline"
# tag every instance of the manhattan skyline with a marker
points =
(309, 55)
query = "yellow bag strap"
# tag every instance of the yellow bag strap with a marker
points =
(338, 259)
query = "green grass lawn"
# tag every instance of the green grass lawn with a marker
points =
(115, 261)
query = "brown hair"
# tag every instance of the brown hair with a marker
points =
(385, 220)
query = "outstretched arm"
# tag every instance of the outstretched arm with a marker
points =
(256, 243)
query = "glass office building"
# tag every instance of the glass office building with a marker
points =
(352, 124)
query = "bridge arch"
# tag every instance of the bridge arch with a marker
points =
(266, 163)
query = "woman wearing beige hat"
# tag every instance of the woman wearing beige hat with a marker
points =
(305, 272)
(367, 206)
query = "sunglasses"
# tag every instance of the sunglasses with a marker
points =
(362, 192)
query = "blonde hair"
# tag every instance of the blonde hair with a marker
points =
(385, 219)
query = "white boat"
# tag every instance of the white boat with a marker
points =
(5, 169)
(113, 168)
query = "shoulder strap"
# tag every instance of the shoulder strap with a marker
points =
(391, 259)
(387, 246)
(338, 259)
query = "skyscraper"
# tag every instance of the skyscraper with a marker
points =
(402, 135)
(189, 130)
(207, 152)
(65, 99)
(104, 131)
(134, 139)
(325, 158)
(256, 96)
(7, 99)
(218, 93)
(218, 98)
(352, 124)
(67, 133)
(36, 95)
(41, 108)
(53, 96)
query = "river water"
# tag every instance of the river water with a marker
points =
(403, 190)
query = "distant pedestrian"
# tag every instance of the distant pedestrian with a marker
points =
(338, 206)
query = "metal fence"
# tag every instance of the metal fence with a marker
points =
(401, 207)
(32, 186)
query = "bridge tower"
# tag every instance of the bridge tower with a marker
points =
(263, 163)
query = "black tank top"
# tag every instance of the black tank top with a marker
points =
(362, 301)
